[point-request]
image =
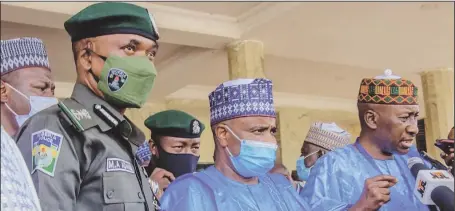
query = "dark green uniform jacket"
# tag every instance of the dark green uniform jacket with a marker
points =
(81, 156)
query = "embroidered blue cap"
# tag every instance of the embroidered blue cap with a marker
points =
(22, 53)
(143, 154)
(241, 98)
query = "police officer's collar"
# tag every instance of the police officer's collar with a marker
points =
(90, 101)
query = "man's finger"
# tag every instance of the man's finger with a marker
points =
(386, 198)
(156, 170)
(380, 184)
(389, 178)
(384, 191)
(383, 198)
(168, 175)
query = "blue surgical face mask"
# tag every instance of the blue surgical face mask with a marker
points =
(37, 104)
(255, 158)
(302, 171)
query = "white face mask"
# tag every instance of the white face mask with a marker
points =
(37, 104)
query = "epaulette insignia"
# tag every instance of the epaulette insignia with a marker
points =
(105, 115)
(80, 118)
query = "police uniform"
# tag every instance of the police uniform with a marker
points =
(81, 151)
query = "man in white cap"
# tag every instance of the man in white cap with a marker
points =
(321, 138)
(242, 118)
(26, 88)
(26, 84)
(372, 173)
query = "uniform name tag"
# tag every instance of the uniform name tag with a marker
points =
(116, 164)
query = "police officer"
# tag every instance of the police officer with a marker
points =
(174, 146)
(81, 151)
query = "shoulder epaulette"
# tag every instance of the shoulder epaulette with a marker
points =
(80, 118)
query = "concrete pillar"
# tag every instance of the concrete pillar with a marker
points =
(437, 86)
(246, 59)
(294, 126)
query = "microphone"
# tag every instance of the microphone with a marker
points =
(433, 187)
(435, 163)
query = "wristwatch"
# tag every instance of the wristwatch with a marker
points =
(154, 185)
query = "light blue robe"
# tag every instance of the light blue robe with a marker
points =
(336, 181)
(210, 190)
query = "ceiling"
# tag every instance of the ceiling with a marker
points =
(311, 48)
(232, 9)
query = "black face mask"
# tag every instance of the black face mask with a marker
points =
(177, 164)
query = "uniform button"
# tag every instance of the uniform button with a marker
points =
(139, 194)
(110, 194)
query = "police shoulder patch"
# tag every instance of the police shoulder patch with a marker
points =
(46, 147)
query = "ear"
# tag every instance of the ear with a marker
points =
(4, 92)
(84, 56)
(153, 148)
(371, 119)
(221, 134)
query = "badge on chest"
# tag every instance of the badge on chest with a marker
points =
(117, 164)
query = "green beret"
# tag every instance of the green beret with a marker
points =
(111, 18)
(174, 123)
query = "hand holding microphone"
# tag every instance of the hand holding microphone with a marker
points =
(447, 146)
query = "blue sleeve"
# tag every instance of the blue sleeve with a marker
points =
(322, 190)
(187, 194)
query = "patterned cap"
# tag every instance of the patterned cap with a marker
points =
(328, 136)
(387, 89)
(143, 154)
(22, 53)
(241, 98)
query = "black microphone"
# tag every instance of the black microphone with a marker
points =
(442, 196)
(435, 163)
(433, 187)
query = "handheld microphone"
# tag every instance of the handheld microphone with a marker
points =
(433, 187)
(435, 163)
